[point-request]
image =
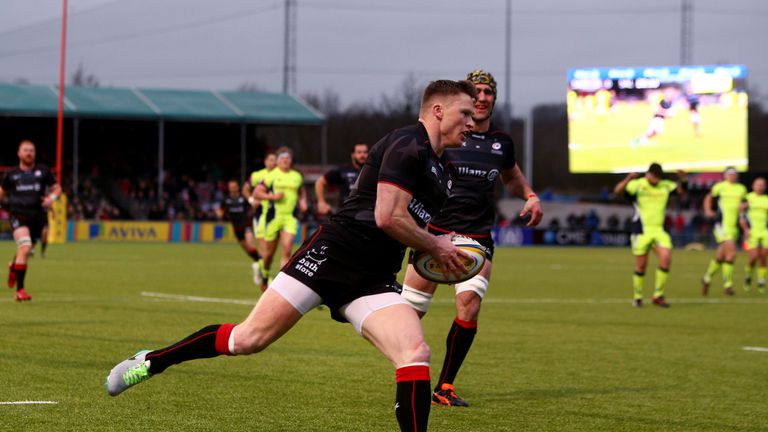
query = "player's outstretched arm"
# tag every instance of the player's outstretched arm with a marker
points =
(392, 217)
(708, 211)
(743, 221)
(303, 200)
(517, 184)
(322, 205)
(619, 188)
(51, 197)
(261, 193)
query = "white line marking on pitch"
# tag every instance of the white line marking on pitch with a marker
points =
(29, 403)
(758, 349)
(180, 297)
(198, 299)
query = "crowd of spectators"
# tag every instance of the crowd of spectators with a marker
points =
(183, 197)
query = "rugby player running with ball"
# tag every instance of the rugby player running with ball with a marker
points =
(487, 155)
(350, 263)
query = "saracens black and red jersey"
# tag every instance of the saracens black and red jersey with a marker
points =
(237, 210)
(405, 159)
(25, 189)
(471, 208)
(344, 177)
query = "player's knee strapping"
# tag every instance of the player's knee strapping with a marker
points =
(23, 241)
(419, 300)
(478, 284)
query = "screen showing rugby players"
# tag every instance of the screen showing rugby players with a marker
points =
(692, 118)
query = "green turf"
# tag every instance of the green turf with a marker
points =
(606, 143)
(559, 348)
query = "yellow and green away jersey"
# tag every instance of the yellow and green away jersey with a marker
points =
(650, 202)
(729, 197)
(289, 183)
(259, 176)
(256, 178)
(757, 211)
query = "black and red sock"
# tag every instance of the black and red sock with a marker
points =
(210, 341)
(21, 273)
(457, 346)
(413, 398)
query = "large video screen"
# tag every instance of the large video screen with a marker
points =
(692, 118)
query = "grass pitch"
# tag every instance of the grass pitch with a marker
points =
(559, 348)
(609, 143)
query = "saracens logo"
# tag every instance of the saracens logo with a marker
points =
(496, 145)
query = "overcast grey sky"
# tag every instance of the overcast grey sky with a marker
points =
(362, 49)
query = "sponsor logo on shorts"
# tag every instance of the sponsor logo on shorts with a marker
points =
(310, 263)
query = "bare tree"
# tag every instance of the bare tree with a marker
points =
(82, 78)
(405, 99)
(250, 87)
(328, 103)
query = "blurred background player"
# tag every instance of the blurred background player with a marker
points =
(343, 177)
(471, 211)
(754, 224)
(729, 194)
(693, 108)
(650, 195)
(25, 188)
(656, 126)
(283, 191)
(350, 262)
(257, 206)
(237, 210)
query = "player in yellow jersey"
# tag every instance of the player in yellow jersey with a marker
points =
(650, 195)
(754, 223)
(283, 191)
(270, 161)
(729, 194)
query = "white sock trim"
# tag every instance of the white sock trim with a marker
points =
(414, 364)
(231, 341)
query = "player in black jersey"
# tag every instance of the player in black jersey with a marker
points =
(656, 126)
(350, 263)
(237, 209)
(30, 189)
(487, 155)
(342, 177)
(693, 109)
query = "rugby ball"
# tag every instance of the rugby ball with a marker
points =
(430, 270)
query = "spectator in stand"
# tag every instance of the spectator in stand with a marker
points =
(613, 222)
(592, 220)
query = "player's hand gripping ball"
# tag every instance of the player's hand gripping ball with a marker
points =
(430, 270)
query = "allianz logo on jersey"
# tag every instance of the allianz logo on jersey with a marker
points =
(23, 188)
(417, 209)
(467, 171)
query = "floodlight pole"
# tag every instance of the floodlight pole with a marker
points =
(62, 78)
(289, 47)
(243, 127)
(686, 32)
(528, 148)
(75, 154)
(160, 158)
(508, 70)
